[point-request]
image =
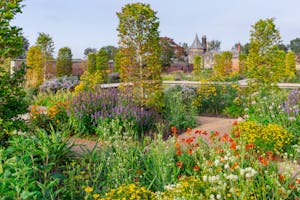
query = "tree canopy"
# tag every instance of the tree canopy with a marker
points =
(64, 62)
(46, 44)
(139, 54)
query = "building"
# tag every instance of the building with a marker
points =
(78, 67)
(200, 49)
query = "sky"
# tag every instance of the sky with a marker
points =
(80, 24)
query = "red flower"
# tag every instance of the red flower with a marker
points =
(249, 146)
(298, 181)
(263, 161)
(178, 152)
(196, 168)
(281, 177)
(224, 137)
(291, 186)
(189, 140)
(198, 132)
(235, 123)
(179, 164)
(204, 133)
(190, 151)
(233, 146)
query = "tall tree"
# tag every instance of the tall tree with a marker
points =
(167, 46)
(295, 45)
(89, 50)
(64, 62)
(91, 63)
(140, 52)
(35, 71)
(111, 51)
(102, 63)
(223, 64)
(12, 101)
(290, 64)
(46, 44)
(265, 62)
(25, 48)
(11, 40)
(214, 45)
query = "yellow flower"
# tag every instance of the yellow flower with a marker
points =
(88, 189)
(95, 196)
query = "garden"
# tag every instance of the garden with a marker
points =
(147, 144)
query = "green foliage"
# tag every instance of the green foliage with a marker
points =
(140, 52)
(265, 62)
(295, 45)
(179, 111)
(111, 51)
(46, 44)
(64, 62)
(167, 46)
(12, 99)
(11, 40)
(31, 168)
(223, 64)
(242, 64)
(217, 99)
(290, 65)
(197, 64)
(271, 137)
(91, 64)
(102, 64)
(35, 71)
(89, 81)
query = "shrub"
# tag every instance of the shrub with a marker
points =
(12, 102)
(130, 191)
(270, 137)
(55, 84)
(217, 99)
(31, 167)
(87, 109)
(179, 111)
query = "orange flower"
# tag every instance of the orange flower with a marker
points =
(233, 146)
(177, 144)
(198, 132)
(249, 146)
(196, 168)
(224, 138)
(178, 152)
(263, 161)
(234, 166)
(235, 123)
(204, 133)
(298, 181)
(281, 177)
(190, 151)
(179, 164)
(188, 130)
(291, 186)
(174, 131)
(139, 171)
(189, 140)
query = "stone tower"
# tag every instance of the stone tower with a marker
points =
(197, 48)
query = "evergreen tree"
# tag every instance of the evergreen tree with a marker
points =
(35, 70)
(102, 63)
(64, 62)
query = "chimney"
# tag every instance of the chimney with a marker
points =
(204, 43)
(239, 48)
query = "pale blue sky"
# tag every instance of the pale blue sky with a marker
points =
(79, 24)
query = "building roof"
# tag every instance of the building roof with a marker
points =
(196, 44)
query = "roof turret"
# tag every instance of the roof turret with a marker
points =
(196, 44)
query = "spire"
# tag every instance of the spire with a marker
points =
(196, 44)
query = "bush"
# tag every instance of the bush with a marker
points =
(31, 168)
(270, 137)
(88, 109)
(55, 84)
(12, 102)
(217, 99)
(179, 111)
